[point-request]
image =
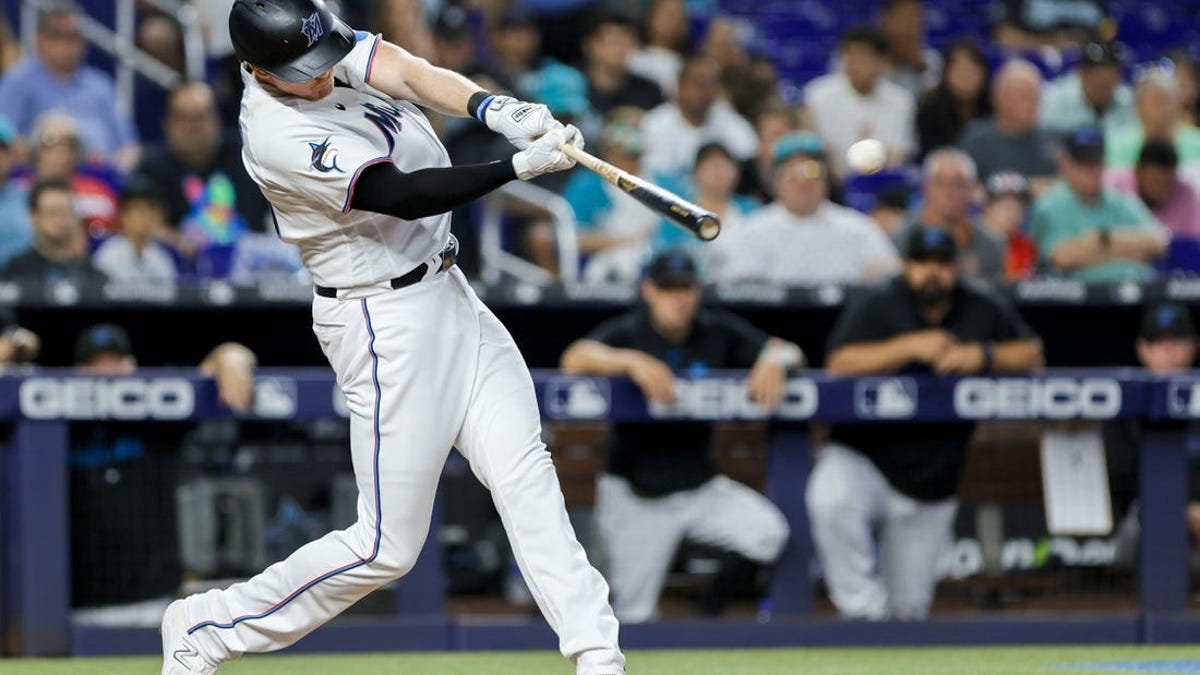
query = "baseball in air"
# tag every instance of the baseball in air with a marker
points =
(867, 156)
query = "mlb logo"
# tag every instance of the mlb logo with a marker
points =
(885, 398)
(577, 398)
(275, 398)
(1183, 399)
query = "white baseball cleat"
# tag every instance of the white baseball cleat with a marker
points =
(180, 656)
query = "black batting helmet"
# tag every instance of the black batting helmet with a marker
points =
(294, 40)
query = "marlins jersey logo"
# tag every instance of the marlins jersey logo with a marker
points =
(312, 29)
(324, 158)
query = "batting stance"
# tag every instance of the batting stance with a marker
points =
(359, 181)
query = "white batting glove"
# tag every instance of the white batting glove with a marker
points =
(519, 121)
(544, 155)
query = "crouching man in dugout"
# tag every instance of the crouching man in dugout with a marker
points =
(898, 481)
(660, 486)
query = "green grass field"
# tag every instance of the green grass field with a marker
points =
(938, 661)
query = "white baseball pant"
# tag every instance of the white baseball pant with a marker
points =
(423, 368)
(848, 499)
(640, 535)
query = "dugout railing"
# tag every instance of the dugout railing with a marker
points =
(38, 406)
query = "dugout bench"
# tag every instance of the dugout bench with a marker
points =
(34, 541)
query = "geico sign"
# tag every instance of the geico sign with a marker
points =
(1051, 398)
(723, 399)
(96, 399)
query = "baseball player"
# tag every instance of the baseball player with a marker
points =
(358, 180)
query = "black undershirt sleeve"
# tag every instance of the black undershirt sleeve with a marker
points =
(384, 188)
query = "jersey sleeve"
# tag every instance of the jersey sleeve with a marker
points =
(743, 339)
(616, 332)
(310, 164)
(356, 67)
(1009, 325)
(860, 321)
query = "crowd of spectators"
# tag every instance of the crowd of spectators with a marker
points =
(676, 92)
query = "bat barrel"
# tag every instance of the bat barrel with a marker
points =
(708, 227)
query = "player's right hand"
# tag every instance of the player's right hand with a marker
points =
(654, 378)
(544, 155)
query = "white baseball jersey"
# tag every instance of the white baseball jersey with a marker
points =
(307, 155)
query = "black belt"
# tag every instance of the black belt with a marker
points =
(449, 255)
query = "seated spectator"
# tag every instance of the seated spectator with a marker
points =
(1087, 231)
(948, 190)
(1155, 180)
(859, 103)
(210, 200)
(453, 43)
(515, 43)
(1160, 116)
(660, 486)
(60, 250)
(1005, 214)
(665, 41)
(775, 120)
(56, 153)
(1010, 140)
(1187, 75)
(18, 345)
(1091, 96)
(56, 78)
(802, 237)
(135, 255)
(676, 129)
(711, 186)
(1055, 24)
(16, 233)
(912, 63)
(614, 228)
(890, 211)
(606, 50)
(750, 85)
(961, 97)
(898, 481)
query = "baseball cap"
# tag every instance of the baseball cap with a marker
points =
(562, 88)
(1085, 145)
(138, 186)
(799, 143)
(624, 136)
(1167, 320)
(673, 269)
(1007, 183)
(100, 339)
(452, 23)
(928, 243)
(1102, 54)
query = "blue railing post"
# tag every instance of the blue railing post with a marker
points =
(37, 531)
(1163, 554)
(789, 464)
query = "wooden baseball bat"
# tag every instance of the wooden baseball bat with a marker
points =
(699, 221)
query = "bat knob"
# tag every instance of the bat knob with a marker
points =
(708, 228)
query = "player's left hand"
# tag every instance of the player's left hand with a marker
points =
(766, 383)
(520, 122)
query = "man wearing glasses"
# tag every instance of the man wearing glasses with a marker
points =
(56, 78)
(802, 238)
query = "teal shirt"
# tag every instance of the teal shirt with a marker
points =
(1058, 215)
(588, 198)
